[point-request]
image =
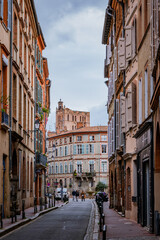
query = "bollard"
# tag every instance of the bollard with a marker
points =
(15, 215)
(23, 207)
(45, 202)
(104, 232)
(49, 202)
(103, 218)
(40, 201)
(35, 205)
(54, 201)
(100, 224)
(1, 215)
(12, 213)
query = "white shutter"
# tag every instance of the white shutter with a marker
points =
(122, 113)
(117, 123)
(134, 104)
(128, 33)
(121, 54)
(115, 63)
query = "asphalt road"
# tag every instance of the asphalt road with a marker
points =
(66, 223)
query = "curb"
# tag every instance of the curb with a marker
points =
(25, 221)
(96, 223)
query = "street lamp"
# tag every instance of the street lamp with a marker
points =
(37, 124)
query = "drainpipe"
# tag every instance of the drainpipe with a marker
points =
(35, 113)
(10, 94)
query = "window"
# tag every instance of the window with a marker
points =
(70, 167)
(15, 30)
(68, 117)
(65, 182)
(104, 166)
(60, 141)
(79, 138)
(80, 119)
(65, 140)
(91, 138)
(70, 139)
(104, 138)
(56, 168)
(61, 168)
(56, 152)
(24, 111)
(25, 56)
(75, 118)
(61, 151)
(14, 96)
(104, 148)
(66, 150)
(52, 169)
(91, 166)
(91, 148)
(140, 101)
(66, 168)
(72, 118)
(79, 167)
(79, 149)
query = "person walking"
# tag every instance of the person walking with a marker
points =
(77, 195)
(74, 194)
(82, 196)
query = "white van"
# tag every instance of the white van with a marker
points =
(58, 194)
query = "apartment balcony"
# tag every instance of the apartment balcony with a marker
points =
(41, 160)
(85, 175)
(5, 121)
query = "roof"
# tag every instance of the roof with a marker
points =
(107, 24)
(82, 130)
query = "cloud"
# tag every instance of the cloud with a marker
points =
(73, 32)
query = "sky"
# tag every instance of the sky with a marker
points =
(72, 31)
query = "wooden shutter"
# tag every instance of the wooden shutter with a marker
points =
(121, 54)
(9, 14)
(128, 33)
(117, 123)
(1, 9)
(129, 109)
(134, 47)
(134, 104)
(122, 113)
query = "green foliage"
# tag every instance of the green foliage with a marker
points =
(100, 187)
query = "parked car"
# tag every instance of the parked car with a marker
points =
(58, 194)
(102, 196)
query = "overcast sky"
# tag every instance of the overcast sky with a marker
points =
(73, 33)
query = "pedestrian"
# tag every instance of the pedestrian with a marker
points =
(74, 194)
(77, 195)
(82, 196)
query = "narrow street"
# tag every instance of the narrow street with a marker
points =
(66, 223)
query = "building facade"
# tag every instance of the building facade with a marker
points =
(19, 36)
(78, 158)
(131, 36)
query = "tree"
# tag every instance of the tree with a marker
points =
(100, 187)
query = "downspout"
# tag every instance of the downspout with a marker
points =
(10, 94)
(35, 113)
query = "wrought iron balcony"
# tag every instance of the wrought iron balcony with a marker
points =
(41, 160)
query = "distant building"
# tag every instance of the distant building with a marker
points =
(78, 158)
(67, 119)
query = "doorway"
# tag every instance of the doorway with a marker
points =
(146, 197)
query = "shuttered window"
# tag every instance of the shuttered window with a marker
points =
(115, 63)
(122, 118)
(128, 33)
(74, 149)
(121, 54)
(113, 143)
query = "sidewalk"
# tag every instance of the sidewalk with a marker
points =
(121, 228)
(29, 216)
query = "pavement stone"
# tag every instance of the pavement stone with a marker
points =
(121, 228)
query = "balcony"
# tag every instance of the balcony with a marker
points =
(5, 121)
(41, 160)
(84, 175)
